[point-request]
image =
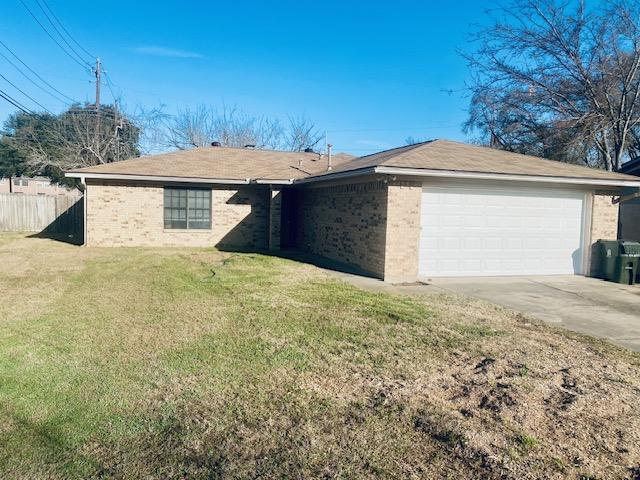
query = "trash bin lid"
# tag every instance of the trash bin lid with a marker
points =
(630, 248)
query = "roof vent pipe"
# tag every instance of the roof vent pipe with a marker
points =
(329, 167)
(216, 144)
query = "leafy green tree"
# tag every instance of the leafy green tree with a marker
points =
(12, 163)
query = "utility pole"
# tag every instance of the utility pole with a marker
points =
(98, 73)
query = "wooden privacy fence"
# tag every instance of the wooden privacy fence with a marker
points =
(48, 214)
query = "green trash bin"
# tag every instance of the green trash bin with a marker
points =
(617, 260)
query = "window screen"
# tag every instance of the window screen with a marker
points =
(187, 208)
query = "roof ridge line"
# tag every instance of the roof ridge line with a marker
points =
(402, 147)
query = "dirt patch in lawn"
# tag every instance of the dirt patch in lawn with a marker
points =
(194, 363)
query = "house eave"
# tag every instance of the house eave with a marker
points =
(419, 172)
(157, 178)
(262, 181)
(329, 176)
(325, 177)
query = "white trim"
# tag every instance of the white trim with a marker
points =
(416, 172)
(337, 175)
(84, 212)
(587, 223)
(157, 178)
(275, 182)
(420, 172)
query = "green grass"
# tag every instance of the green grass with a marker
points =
(526, 442)
(151, 363)
(133, 327)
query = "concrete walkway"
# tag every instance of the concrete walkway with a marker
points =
(585, 305)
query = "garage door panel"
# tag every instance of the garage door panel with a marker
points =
(499, 231)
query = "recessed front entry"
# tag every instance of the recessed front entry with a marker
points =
(487, 231)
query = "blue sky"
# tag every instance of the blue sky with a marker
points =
(370, 73)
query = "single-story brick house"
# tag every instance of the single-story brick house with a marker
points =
(437, 208)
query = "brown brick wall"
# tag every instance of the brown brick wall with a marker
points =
(604, 218)
(346, 223)
(374, 225)
(403, 231)
(604, 226)
(131, 214)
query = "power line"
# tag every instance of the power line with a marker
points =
(146, 92)
(83, 64)
(36, 73)
(31, 80)
(15, 103)
(109, 84)
(66, 31)
(62, 37)
(25, 94)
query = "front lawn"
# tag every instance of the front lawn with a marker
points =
(193, 363)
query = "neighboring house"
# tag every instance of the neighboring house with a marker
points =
(438, 208)
(35, 186)
(630, 209)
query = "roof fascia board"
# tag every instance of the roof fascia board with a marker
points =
(156, 178)
(336, 175)
(263, 181)
(418, 172)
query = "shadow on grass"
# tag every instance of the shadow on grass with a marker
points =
(52, 443)
(71, 238)
(302, 257)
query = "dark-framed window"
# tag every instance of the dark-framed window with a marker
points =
(187, 208)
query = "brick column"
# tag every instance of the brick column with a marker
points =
(275, 216)
(604, 218)
(403, 231)
(604, 226)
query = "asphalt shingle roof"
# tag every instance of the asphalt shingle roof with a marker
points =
(242, 163)
(222, 163)
(447, 155)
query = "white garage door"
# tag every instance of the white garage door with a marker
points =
(467, 231)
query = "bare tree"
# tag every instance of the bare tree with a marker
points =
(556, 79)
(190, 128)
(197, 127)
(73, 139)
(301, 134)
(151, 121)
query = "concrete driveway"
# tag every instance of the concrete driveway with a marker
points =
(586, 305)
